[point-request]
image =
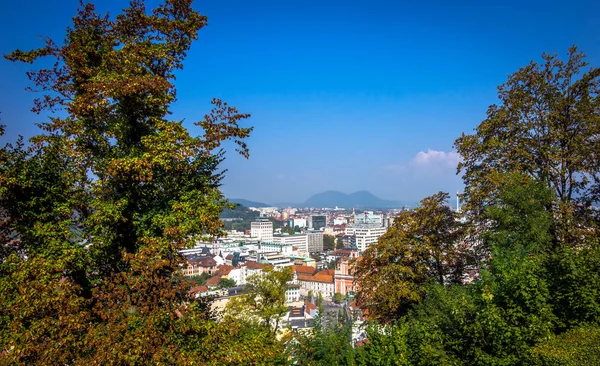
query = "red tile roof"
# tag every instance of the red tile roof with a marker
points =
(318, 277)
(224, 269)
(203, 262)
(198, 289)
(213, 281)
(254, 265)
(310, 306)
(303, 270)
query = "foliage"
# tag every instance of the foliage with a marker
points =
(265, 302)
(328, 242)
(338, 298)
(545, 126)
(94, 212)
(226, 283)
(324, 347)
(386, 346)
(200, 280)
(287, 230)
(580, 346)
(420, 247)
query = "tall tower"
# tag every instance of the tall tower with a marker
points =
(457, 202)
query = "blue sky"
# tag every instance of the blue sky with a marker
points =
(344, 95)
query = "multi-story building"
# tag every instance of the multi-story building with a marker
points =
(262, 230)
(300, 222)
(318, 222)
(299, 241)
(315, 241)
(365, 236)
(344, 272)
(321, 282)
(368, 218)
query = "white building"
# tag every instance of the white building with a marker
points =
(262, 230)
(301, 223)
(368, 218)
(340, 220)
(321, 282)
(293, 293)
(239, 275)
(365, 236)
(299, 241)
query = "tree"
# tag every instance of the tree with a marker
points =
(95, 211)
(201, 279)
(338, 298)
(328, 242)
(265, 301)
(546, 126)
(288, 230)
(226, 283)
(421, 246)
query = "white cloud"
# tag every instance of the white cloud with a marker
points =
(436, 158)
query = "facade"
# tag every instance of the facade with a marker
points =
(276, 259)
(299, 241)
(301, 223)
(318, 222)
(322, 282)
(292, 293)
(200, 265)
(262, 230)
(344, 273)
(315, 241)
(368, 219)
(364, 237)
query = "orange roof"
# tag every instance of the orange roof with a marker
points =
(213, 281)
(254, 265)
(197, 289)
(330, 272)
(310, 306)
(319, 277)
(303, 269)
(224, 269)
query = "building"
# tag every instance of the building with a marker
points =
(201, 265)
(368, 219)
(292, 293)
(315, 241)
(344, 272)
(301, 223)
(299, 241)
(262, 230)
(321, 282)
(318, 222)
(276, 259)
(365, 236)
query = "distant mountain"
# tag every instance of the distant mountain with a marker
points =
(360, 199)
(247, 203)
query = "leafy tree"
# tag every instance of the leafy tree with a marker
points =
(226, 283)
(420, 247)
(338, 298)
(200, 280)
(94, 212)
(324, 347)
(288, 230)
(579, 346)
(265, 302)
(546, 126)
(328, 242)
(386, 346)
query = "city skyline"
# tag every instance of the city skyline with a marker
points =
(343, 96)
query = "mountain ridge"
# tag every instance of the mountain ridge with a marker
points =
(247, 203)
(358, 199)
